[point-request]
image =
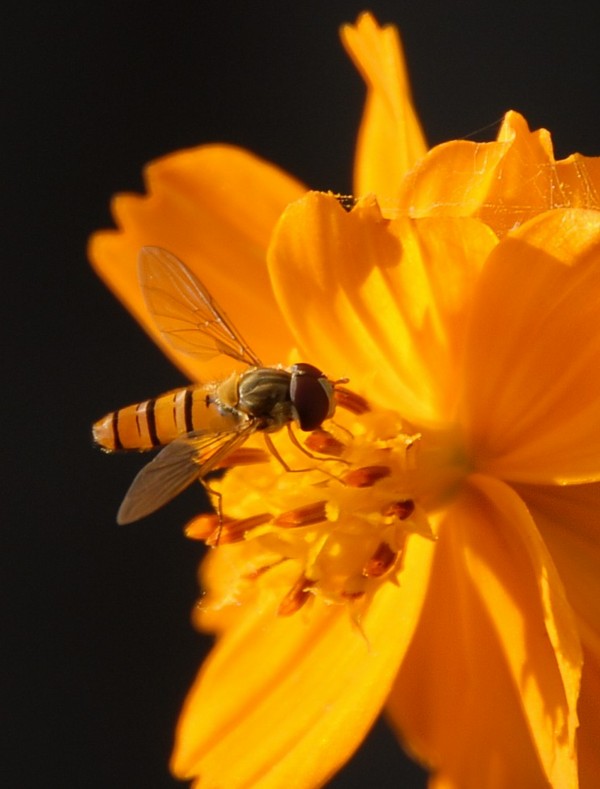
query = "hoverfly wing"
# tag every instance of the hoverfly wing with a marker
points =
(176, 466)
(171, 472)
(185, 312)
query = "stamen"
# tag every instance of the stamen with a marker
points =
(296, 597)
(366, 476)
(399, 509)
(236, 530)
(382, 560)
(254, 574)
(303, 516)
(202, 526)
(342, 527)
(351, 401)
(323, 442)
(352, 595)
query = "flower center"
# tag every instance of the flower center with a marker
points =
(341, 517)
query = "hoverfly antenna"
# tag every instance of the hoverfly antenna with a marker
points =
(340, 381)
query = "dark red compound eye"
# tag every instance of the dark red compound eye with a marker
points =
(309, 395)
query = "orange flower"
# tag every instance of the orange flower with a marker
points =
(443, 562)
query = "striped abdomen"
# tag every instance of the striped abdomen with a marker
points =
(162, 419)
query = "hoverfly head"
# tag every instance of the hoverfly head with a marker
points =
(311, 393)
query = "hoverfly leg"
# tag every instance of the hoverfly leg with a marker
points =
(273, 450)
(342, 429)
(309, 454)
(219, 508)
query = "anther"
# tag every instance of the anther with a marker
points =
(399, 509)
(296, 597)
(202, 526)
(382, 560)
(352, 595)
(236, 530)
(351, 401)
(303, 516)
(323, 442)
(366, 476)
(253, 575)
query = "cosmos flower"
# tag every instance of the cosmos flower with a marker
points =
(442, 563)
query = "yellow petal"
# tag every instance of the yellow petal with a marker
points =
(531, 181)
(504, 183)
(390, 139)
(532, 379)
(487, 692)
(382, 303)
(284, 701)
(568, 521)
(579, 178)
(567, 517)
(215, 208)
(454, 179)
(589, 713)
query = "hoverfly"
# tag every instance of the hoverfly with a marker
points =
(198, 426)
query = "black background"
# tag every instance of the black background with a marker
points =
(96, 643)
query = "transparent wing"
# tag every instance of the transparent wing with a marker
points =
(175, 468)
(185, 312)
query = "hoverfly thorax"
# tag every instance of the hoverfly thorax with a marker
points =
(264, 394)
(276, 396)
